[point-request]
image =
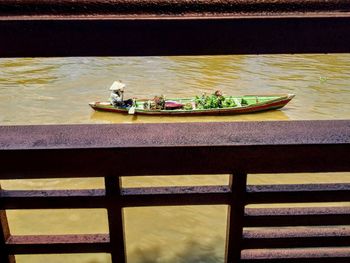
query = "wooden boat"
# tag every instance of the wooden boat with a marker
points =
(252, 103)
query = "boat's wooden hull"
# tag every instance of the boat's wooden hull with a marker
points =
(276, 102)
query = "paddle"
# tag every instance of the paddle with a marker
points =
(132, 110)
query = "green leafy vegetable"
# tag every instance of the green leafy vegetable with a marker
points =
(214, 101)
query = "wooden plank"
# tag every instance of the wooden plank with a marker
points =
(55, 244)
(301, 209)
(176, 190)
(158, 196)
(311, 187)
(297, 255)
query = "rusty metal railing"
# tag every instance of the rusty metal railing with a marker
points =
(146, 28)
(165, 149)
(173, 8)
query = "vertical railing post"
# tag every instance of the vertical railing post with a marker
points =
(4, 235)
(115, 219)
(235, 217)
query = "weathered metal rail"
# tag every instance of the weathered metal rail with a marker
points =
(144, 149)
(168, 8)
(147, 28)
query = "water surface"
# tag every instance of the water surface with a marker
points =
(57, 90)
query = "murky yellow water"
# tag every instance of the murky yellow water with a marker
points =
(57, 90)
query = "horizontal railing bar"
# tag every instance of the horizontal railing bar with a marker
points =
(175, 7)
(296, 220)
(51, 193)
(298, 187)
(298, 197)
(149, 196)
(293, 255)
(296, 242)
(299, 260)
(124, 136)
(146, 196)
(58, 239)
(125, 191)
(184, 148)
(213, 189)
(52, 244)
(59, 163)
(308, 210)
(291, 232)
(256, 189)
(174, 36)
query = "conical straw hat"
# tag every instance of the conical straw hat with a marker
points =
(117, 85)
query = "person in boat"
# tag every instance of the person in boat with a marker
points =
(117, 95)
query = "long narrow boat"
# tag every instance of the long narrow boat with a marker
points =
(243, 104)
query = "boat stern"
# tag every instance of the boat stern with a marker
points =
(92, 104)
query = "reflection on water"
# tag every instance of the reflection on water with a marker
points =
(57, 90)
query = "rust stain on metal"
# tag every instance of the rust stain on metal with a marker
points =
(174, 135)
(59, 239)
(163, 7)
